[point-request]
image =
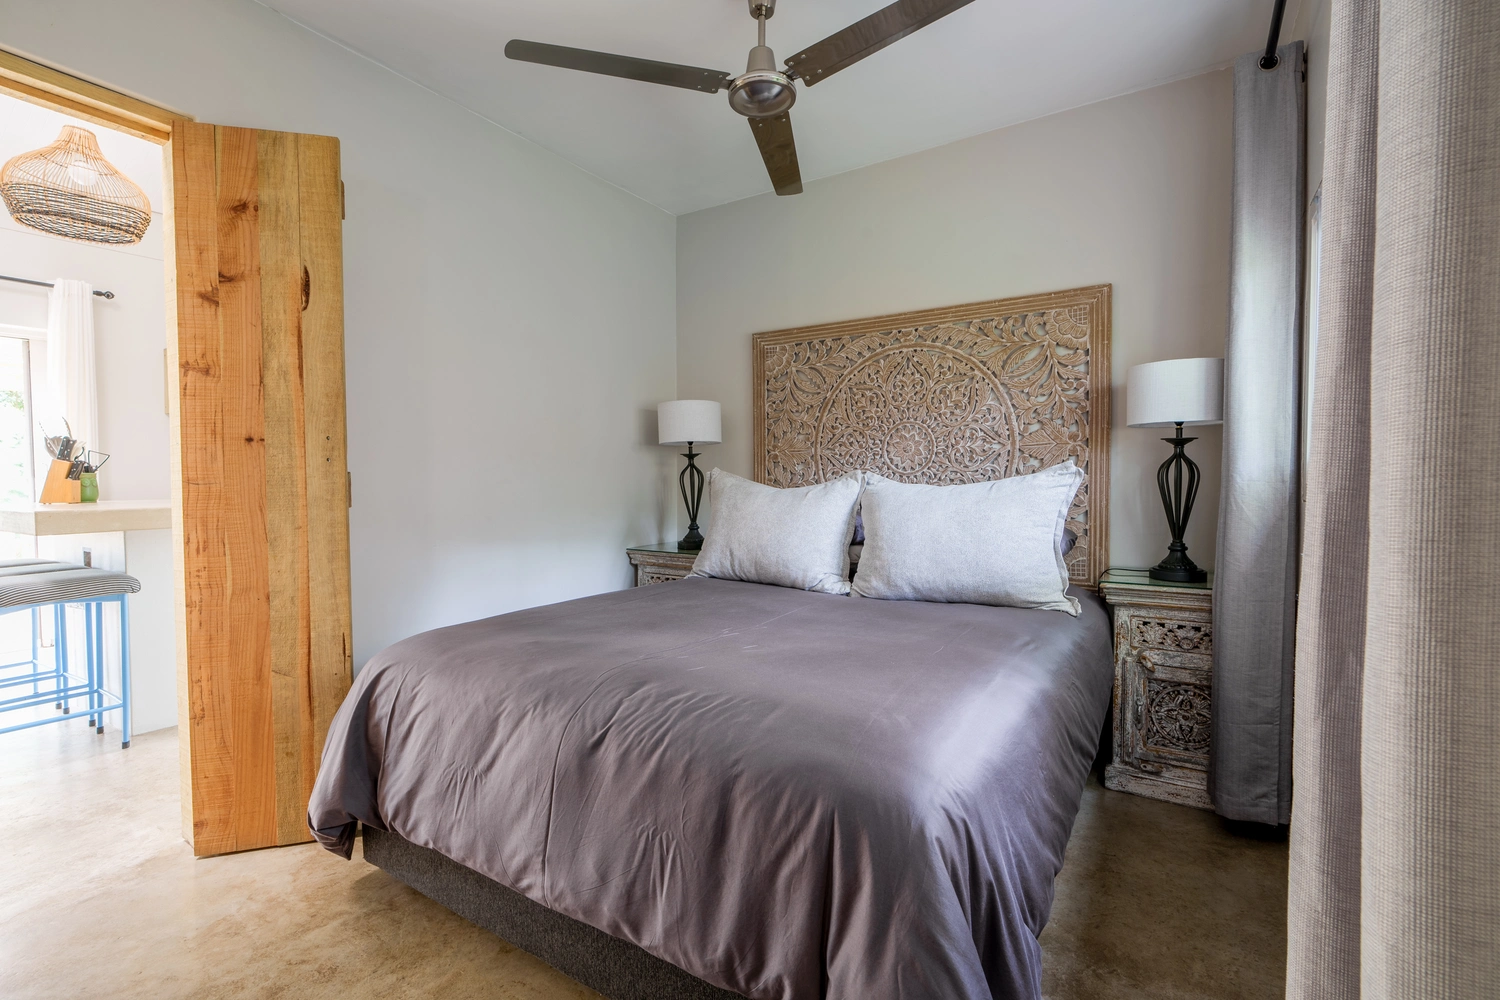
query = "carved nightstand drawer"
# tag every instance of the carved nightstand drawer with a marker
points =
(659, 563)
(1163, 687)
(1169, 632)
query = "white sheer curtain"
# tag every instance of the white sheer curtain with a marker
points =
(70, 360)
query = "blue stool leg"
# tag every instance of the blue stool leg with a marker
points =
(124, 670)
(56, 663)
(88, 665)
(94, 667)
(99, 654)
(36, 664)
(67, 664)
(60, 653)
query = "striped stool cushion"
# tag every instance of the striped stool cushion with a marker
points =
(11, 567)
(26, 582)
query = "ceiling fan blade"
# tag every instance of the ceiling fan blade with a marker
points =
(844, 48)
(646, 70)
(779, 150)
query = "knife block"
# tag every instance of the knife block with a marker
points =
(58, 488)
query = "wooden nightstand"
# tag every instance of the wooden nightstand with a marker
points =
(659, 563)
(1163, 679)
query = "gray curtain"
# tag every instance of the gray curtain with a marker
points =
(1323, 904)
(1255, 586)
(1395, 841)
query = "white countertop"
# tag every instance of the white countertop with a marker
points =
(85, 518)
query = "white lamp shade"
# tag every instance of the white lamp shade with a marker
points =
(684, 421)
(1183, 391)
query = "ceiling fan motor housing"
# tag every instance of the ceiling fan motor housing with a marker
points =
(762, 91)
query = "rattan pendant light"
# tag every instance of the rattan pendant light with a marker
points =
(70, 189)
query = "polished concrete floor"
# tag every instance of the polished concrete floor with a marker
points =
(100, 897)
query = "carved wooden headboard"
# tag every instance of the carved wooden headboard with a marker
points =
(956, 395)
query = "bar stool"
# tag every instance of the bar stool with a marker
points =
(34, 672)
(33, 584)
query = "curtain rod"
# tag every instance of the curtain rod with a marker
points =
(1271, 60)
(48, 284)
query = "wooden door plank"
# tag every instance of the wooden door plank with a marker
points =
(171, 357)
(199, 479)
(286, 487)
(193, 270)
(244, 497)
(332, 648)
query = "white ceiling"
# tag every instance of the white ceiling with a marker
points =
(985, 66)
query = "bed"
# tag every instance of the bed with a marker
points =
(709, 789)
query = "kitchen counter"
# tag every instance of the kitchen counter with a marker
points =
(85, 518)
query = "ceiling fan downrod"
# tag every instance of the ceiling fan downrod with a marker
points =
(762, 91)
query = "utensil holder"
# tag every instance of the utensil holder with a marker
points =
(58, 488)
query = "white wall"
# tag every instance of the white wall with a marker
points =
(1132, 191)
(509, 319)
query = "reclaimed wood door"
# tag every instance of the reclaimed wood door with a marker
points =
(259, 477)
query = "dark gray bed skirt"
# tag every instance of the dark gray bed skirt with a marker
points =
(618, 969)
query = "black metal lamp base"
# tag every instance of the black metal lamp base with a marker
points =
(1178, 502)
(690, 481)
(1178, 568)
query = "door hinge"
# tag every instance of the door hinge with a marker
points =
(343, 202)
(349, 488)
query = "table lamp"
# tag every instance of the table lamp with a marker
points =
(1164, 394)
(688, 422)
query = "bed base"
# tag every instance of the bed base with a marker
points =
(616, 968)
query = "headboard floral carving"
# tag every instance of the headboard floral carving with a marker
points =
(957, 395)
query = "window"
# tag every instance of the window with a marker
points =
(17, 483)
(1310, 323)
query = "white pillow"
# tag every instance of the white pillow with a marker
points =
(791, 538)
(984, 543)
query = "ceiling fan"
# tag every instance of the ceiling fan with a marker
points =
(763, 93)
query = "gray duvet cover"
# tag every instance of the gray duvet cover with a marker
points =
(790, 795)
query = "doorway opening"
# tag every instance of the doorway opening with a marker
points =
(83, 348)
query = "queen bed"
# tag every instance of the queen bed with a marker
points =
(710, 788)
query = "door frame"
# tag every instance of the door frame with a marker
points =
(70, 95)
